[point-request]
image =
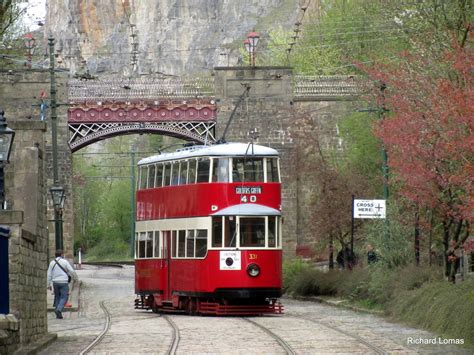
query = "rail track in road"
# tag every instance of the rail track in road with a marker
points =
(361, 340)
(288, 349)
(174, 338)
(102, 334)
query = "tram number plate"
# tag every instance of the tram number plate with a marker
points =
(245, 199)
(253, 256)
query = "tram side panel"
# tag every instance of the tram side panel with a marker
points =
(196, 277)
(201, 199)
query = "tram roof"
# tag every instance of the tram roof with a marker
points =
(225, 149)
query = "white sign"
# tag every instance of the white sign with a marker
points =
(369, 209)
(230, 260)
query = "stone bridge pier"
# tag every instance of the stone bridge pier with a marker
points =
(264, 115)
(277, 98)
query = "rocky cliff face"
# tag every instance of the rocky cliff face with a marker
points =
(175, 37)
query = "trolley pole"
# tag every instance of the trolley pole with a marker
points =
(132, 204)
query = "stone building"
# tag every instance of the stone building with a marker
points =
(27, 216)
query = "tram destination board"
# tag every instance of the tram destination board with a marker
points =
(369, 209)
(240, 190)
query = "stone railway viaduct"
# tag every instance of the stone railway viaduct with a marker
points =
(275, 99)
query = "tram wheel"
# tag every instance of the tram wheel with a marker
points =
(192, 305)
(154, 306)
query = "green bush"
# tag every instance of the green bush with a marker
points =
(109, 249)
(353, 284)
(316, 283)
(440, 307)
(291, 268)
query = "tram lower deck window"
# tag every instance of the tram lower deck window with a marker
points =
(252, 232)
(201, 243)
(217, 232)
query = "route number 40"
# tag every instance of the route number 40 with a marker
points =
(245, 199)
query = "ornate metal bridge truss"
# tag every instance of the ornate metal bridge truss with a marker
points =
(103, 108)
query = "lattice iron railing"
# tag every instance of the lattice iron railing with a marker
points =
(329, 87)
(129, 89)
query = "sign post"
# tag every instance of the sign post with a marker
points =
(366, 209)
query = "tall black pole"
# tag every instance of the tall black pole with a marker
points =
(2, 187)
(54, 133)
(382, 111)
(352, 226)
(132, 204)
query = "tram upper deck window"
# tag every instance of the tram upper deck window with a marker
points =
(151, 176)
(143, 177)
(192, 171)
(167, 174)
(159, 175)
(272, 170)
(203, 168)
(220, 171)
(183, 172)
(252, 232)
(247, 169)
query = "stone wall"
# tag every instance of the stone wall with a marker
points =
(28, 242)
(20, 98)
(325, 117)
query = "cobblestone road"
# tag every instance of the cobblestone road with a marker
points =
(307, 328)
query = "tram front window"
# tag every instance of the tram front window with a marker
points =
(247, 169)
(272, 170)
(230, 232)
(252, 232)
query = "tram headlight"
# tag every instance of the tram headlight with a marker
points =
(253, 270)
(229, 261)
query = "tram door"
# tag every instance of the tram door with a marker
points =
(167, 265)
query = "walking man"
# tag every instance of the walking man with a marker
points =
(60, 273)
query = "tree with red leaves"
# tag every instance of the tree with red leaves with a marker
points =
(429, 135)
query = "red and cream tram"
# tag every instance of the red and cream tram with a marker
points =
(208, 230)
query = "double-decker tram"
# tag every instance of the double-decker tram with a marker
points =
(208, 231)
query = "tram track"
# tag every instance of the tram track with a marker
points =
(175, 336)
(288, 349)
(101, 336)
(361, 340)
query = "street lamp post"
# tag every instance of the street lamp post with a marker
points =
(58, 196)
(250, 45)
(57, 191)
(30, 44)
(6, 140)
